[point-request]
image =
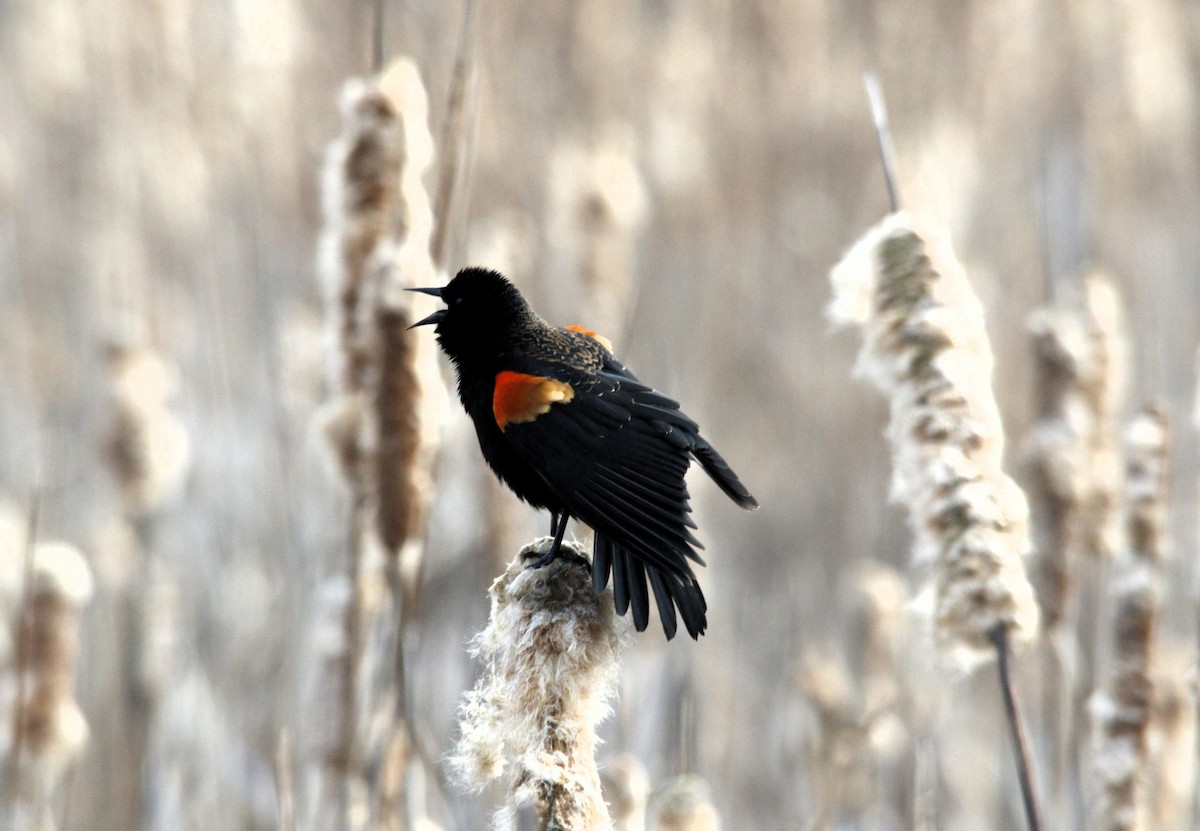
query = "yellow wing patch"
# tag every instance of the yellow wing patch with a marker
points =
(600, 339)
(520, 398)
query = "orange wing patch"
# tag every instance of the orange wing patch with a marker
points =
(600, 339)
(520, 398)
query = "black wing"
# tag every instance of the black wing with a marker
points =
(617, 453)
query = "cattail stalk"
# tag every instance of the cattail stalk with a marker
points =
(382, 422)
(551, 651)
(1122, 710)
(361, 194)
(926, 349)
(1074, 460)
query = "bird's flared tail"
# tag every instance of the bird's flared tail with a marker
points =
(633, 579)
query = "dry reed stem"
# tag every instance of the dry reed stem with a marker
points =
(285, 781)
(48, 730)
(1080, 351)
(926, 348)
(454, 138)
(1121, 711)
(551, 651)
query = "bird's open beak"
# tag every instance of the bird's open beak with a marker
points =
(436, 317)
(436, 292)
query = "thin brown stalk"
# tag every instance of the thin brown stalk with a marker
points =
(883, 136)
(24, 637)
(1016, 726)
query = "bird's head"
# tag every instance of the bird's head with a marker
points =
(484, 314)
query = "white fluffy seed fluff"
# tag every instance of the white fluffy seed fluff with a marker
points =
(551, 653)
(926, 349)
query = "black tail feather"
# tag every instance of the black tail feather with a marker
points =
(663, 597)
(620, 578)
(602, 562)
(672, 591)
(639, 598)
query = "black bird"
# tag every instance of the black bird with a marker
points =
(571, 430)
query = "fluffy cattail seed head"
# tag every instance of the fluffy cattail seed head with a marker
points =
(925, 347)
(361, 186)
(682, 804)
(626, 787)
(551, 651)
(148, 449)
(1122, 710)
(1074, 455)
(49, 729)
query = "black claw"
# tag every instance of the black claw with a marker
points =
(558, 527)
(546, 559)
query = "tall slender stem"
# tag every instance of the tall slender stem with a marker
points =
(883, 132)
(1016, 728)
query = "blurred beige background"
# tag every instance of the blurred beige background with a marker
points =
(159, 161)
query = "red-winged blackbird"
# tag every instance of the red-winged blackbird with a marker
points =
(571, 430)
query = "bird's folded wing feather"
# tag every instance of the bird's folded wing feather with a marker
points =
(617, 452)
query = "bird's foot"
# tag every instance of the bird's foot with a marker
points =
(558, 528)
(546, 559)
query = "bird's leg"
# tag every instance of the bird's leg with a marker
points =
(553, 523)
(561, 529)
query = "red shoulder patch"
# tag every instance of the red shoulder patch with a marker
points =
(600, 339)
(520, 398)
